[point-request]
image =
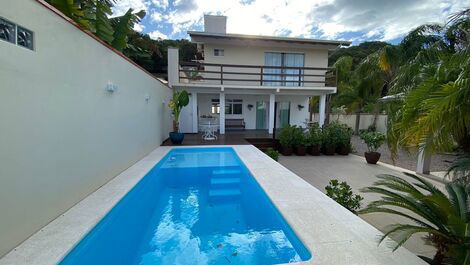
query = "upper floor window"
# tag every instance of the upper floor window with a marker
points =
(15, 34)
(218, 52)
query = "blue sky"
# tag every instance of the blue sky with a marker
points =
(354, 20)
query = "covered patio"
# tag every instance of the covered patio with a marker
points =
(229, 138)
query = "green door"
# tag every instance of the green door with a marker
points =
(260, 115)
(284, 110)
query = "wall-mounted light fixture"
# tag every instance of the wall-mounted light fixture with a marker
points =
(110, 87)
(250, 106)
(300, 107)
(147, 98)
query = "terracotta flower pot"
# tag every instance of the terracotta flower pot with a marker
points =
(300, 150)
(314, 150)
(286, 150)
(329, 150)
(343, 150)
(372, 157)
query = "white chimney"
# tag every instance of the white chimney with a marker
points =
(215, 24)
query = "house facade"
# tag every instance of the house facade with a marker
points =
(260, 82)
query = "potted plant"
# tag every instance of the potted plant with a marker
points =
(300, 143)
(373, 140)
(343, 135)
(179, 101)
(328, 139)
(314, 139)
(286, 140)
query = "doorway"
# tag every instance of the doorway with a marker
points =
(261, 108)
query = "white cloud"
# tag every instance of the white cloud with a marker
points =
(378, 19)
(161, 3)
(157, 17)
(139, 27)
(121, 7)
(157, 35)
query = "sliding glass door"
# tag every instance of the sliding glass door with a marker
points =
(283, 77)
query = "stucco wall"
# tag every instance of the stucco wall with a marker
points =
(62, 134)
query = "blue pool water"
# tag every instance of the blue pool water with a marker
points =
(196, 206)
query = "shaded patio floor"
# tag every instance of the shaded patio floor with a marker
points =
(229, 138)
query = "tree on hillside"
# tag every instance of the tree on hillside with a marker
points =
(357, 53)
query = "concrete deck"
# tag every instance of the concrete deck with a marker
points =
(331, 233)
(319, 170)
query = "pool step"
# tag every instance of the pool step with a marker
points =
(224, 192)
(219, 172)
(221, 181)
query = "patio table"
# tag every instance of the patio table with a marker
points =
(209, 130)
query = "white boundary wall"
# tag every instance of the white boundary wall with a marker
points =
(365, 120)
(62, 134)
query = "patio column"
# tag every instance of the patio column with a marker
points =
(194, 111)
(222, 113)
(321, 110)
(424, 163)
(272, 115)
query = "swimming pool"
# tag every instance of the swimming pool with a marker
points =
(196, 206)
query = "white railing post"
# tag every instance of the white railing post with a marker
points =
(173, 66)
(272, 115)
(321, 110)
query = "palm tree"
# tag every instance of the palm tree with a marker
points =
(434, 113)
(445, 218)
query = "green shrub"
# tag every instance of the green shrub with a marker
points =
(342, 194)
(373, 140)
(299, 137)
(343, 135)
(273, 154)
(287, 135)
(314, 137)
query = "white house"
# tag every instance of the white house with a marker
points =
(262, 82)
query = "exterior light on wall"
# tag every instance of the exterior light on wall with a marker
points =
(250, 106)
(147, 98)
(110, 87)
(300, 107)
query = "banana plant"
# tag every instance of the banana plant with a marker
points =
(123, 27)
(444, 217)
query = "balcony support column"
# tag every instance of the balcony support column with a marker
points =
(222, 113)
(321, 110)
(271, 115)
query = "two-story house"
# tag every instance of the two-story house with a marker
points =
(252, 82)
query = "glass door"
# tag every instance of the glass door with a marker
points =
(284, 113)
(260, 115)
(283, 77)
(272, 76)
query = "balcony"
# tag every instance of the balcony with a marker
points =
(198, 73)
